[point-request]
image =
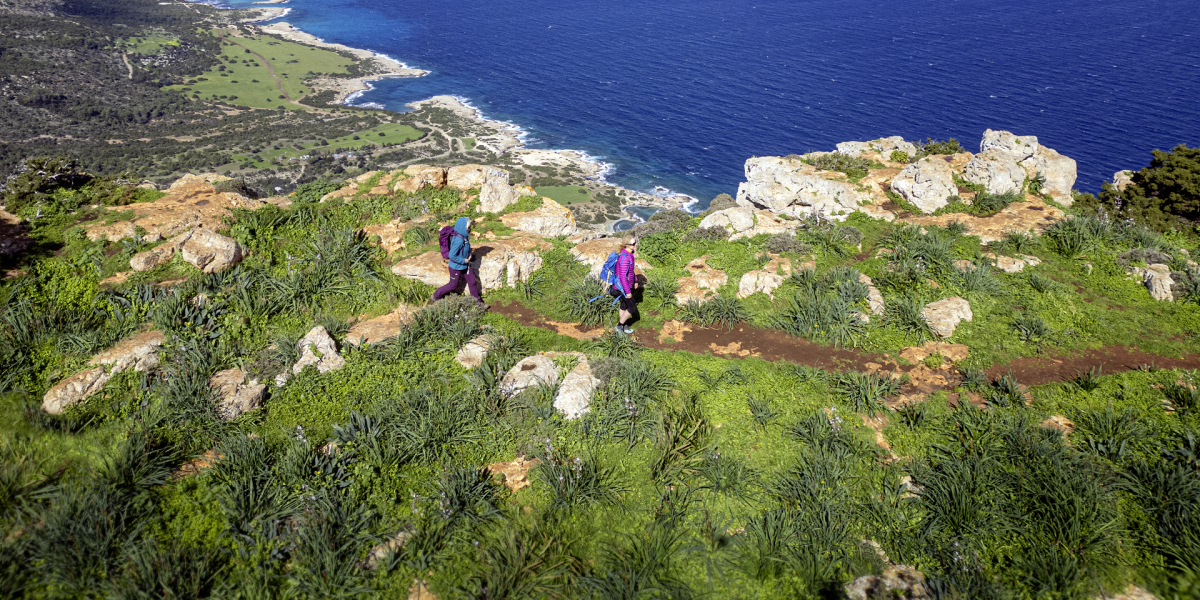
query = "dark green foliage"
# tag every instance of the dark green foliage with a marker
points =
(913, 414)
(586, 301)
(533, 287)
(681, 446)
(617, 345)
(659, 248)
(171, 571)
(978, 278)
(1110, 433)
(313, 191)
(760, 409)
(825, 308)
(866, 391)
(932, 146)
(667, 221)
(1017, 242)
(782, 242)
(721, 202)
(1164, 195)
(577, 482)
(706, 234)
(645, 566)
(1041, 283)
(1031, 328)
(1185, 397)
(661, 288)
(1006, 391)
(904, 312)
(726, 475)
(726, 312)
(855, 167)
(1088, 381)
(523, 563)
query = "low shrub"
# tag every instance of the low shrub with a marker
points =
(726, 312)
(854, 167)
(706, 234)
(782, 242)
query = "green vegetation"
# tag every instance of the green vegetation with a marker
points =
(146, 46)
(1164, 196)
(565, 195)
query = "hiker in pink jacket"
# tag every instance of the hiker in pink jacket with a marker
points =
(622, 290)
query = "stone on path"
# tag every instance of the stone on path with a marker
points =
(159, 255)
(429, 268)
(316, 349)
(382, 327)
(236, 395)
(1009, 264)
(530, 372)
(951, 352)
(944, 315)
(765, 280)
(139, 352)
(1158, 281)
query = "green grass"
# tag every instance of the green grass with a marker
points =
(565, 194)
(468, 143)
(249, 79)
(393, 133)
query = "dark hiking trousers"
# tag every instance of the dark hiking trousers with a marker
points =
(456, 281)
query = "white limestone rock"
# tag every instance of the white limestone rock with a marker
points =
(418, 177)
(429, 268)
(467, 177)
(944, 315)
(495, 196)
(236, 395)
(471, 355)
(926, 183)
(791, 187)
(530, 372)
(139, 352)
(212, 252)
(1004, 143)
(1060, 173)
(550, 220)
(1122, 179)
(576, 392)
(703, 282)
(316, 349)
(997, 172)
(883, 146)
(507, 262)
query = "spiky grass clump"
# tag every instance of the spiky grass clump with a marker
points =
(726, 312)
(587, 302)
(578, 482)
(904, 313)
(866, 392)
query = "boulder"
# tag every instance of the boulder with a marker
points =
(382, 327)
(192, 179)
(530, 372)
(899, 582)
(428, 268)
(926, 183)
(419, 177)
(1060, 173)
(944, 315)
(139, 352)
(496, 195)
(733, 220)
(551, 220)
(316, 349)
(511, 260)
(74, 389)
(1032, 214)
(1013, 147)
(236, 395)
(998, 173)
(471, 355)
(212, 252)
(703, 282)
(1157, 279)
(882, 146)
(391, 234)
(1122, 179)
(575, 394)
(586, 235)
(744, 222)
(594, 252)
(158, 255)
(469, 177)
(1010, 264)
(765, 280)
(789, 186)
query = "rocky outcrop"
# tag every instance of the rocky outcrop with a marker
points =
(744, 222)
(1003, 143)
(211, 252)
(191, 203)
(515, 474)
(468, 177)
(495, 195)
(792, 187)
(944, 315)
(530, 372)
(1010, 264)
(158, 255)
(926, 183)
(882, 146)
(951, 352)
(418, 177)
(1033, 214)
(897, 582)
(139, 352)
(236, 395)
(765, 280)
(472, 354)
(575, 394)
(1122, 179)
(703, 282)
(382, 327)
(317, 349)
(1158, 281)
(997, 172)
(429, 268)
(509, 261)
(1033, 158)
(594, 252)
(551, 220)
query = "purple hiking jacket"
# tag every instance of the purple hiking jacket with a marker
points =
(624, 270)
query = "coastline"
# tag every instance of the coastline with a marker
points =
(503, 137)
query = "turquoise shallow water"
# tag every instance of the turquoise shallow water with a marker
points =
(680, 93)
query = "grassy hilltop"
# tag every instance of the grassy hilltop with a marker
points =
(214, 388)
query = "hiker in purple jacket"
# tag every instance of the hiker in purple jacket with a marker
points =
(460, 257)
(622, 290)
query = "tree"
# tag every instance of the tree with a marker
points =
(1164, 195)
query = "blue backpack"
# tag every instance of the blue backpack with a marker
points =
(608, 273)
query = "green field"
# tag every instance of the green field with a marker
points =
(565, 194)
(246, 81)
(392, 134)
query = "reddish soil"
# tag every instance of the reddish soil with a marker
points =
(746, 341)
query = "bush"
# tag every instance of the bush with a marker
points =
(1164, 195)
(854, 167)
(587, 302)
(663, 221)
(235, 186)
(782, 242)
(724, 311)
(706, 234)
(659, 248)
(313, 191)
(721, 202)
(932, 146)
(900, 156)
(986, 204)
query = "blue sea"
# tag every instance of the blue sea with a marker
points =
(679, 93)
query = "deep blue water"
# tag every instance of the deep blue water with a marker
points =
(680, 93)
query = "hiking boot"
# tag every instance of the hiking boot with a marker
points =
(628, 330)
(619, 329)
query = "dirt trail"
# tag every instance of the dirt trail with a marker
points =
(771, 345)
(125, 57)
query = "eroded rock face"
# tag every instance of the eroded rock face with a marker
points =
(428, 268)
(382, 327)
(530, 372)
(733, 220)
(791, 187)
(997, 172)
(575, 394)
(515, 474)
(420, 177)
(189, 204)
(1009, 264)
(495, 195)
(212, 252)
(471, 355)
(139, 352)
(467, 177)
(391, 234)
(1033, 214)
(551, 220)
(1004, 143)
(1158, 281)
(703, 282)
(509, 261)
(158, 255)
(874, 296)
(1060, 173)
(951, 352)
(235, 394)
(316, 349)
(926, 183)
(944, 315)
(1122, 179)
(881, 146)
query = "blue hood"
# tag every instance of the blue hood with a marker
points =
(460, 227)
